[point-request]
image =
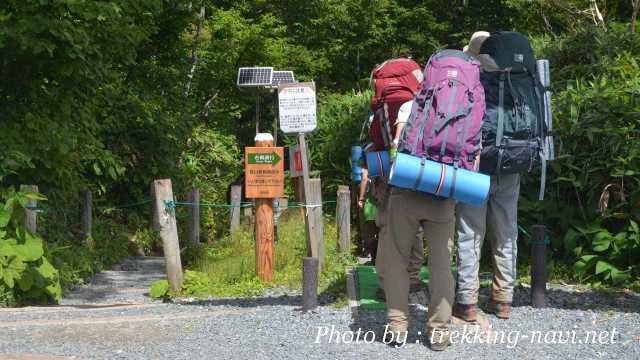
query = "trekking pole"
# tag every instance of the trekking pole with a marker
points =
(539, 266)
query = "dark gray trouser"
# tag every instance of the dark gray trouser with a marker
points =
(500, 214)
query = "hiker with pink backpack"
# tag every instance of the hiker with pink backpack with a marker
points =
(443, 128)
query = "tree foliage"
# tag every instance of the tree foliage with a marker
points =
(93, 92)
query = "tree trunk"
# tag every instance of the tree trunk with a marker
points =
(194, 52)
(634, 14)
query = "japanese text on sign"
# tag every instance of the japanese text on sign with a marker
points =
(297, 107)
(264, 172)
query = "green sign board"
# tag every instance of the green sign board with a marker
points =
(264, 158)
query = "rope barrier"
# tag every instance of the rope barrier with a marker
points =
(170, 205)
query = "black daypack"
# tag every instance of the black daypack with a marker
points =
(513, 129)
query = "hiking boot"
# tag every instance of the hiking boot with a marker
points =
(392, 336)
(500, 309)
(438, 339)
(466, 312)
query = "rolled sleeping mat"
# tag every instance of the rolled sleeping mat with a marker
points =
(542, 66)
(378, 163)
(439, 179)
(356, 170)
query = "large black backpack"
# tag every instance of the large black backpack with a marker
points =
(513, 129)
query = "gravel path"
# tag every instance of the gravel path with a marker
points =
(94, 323)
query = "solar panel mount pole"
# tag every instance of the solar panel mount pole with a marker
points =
(257, 114)
(275, 121)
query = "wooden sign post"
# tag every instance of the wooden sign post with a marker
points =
(297, 114)
(264, 181)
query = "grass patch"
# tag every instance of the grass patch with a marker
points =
(227, 267)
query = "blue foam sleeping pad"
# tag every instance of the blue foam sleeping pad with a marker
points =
(378, 163)
(356, 170)
(469, 187)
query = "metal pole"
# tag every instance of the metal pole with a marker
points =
(257, 114)
(309, 283)
(539, 267)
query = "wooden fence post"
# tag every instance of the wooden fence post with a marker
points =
(236, 199)
(194, 216)
(30, 218)
(343, 218)
(314, 213)
(248, 215)
(165, 213)
(309, 197)
(155, 221)
(87, 214)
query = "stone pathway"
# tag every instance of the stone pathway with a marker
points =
(126, 283)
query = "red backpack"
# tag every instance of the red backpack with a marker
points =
(396, 81)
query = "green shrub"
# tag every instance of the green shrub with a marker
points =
(159, 289)
(605, 257)
(26, 276)
(593, 191)
(147, 240)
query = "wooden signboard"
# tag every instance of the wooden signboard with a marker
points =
(264, 172)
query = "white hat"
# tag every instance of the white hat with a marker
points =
(475, 43)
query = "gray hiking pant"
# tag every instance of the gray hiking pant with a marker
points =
(500, 214)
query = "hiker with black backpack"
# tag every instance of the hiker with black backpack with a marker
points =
(443, 127)
(512, 133)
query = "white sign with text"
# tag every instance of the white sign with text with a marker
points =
(297, 107)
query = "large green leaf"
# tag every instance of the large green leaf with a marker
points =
(46, 270)
(25, 282)
(7, 250)
(32, 249)
(602, 267)
(601, 241)
(583, 264)
(571, 240)
(618, 276)
(5, 217)
(13, 271)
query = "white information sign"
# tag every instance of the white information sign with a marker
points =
(297, 107)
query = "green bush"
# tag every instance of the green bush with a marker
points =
(26, 276)
(593, 188)
(605, 257)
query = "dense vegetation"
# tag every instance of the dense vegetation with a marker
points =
(107, 96)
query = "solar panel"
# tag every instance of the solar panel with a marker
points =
(255, 76)
(283, 77)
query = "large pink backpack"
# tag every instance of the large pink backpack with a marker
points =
(446, 118)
